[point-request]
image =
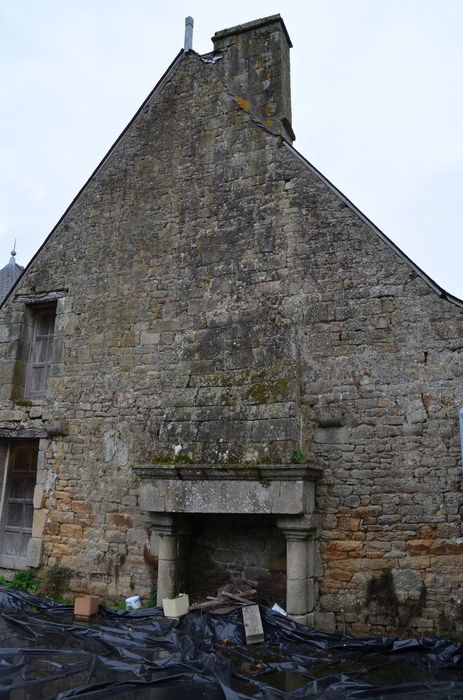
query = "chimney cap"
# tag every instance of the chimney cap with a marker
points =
(251, 26)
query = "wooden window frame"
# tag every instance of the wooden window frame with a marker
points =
(16, 561)
(38, 313)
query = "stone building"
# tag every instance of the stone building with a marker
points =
(216, 368)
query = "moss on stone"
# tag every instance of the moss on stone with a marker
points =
(267, 391)
(254, 375)
(172, 459)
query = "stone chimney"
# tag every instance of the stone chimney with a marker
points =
(255, 67)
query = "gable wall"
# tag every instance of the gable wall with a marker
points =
(224, 306)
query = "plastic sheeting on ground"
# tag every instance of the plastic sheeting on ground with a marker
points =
(45, 653)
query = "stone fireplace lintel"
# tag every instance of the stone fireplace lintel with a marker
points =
(253, 490)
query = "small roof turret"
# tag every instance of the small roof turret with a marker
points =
(9, 274)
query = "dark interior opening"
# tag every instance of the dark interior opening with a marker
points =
(235, 549)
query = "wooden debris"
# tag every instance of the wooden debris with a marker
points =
(223, 597)
(207, 604)
(240, 598)
(222, 611)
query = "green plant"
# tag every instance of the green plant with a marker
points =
(63, 600)
(298, 457)
(446, 634)
(22, 581)
(151, 601)
(55, 581)
(447, 628)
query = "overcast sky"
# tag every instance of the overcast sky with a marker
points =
(377, 105)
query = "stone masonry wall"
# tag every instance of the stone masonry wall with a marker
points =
(221, 304)
(237, 549)
(166, 351)
(381, 370)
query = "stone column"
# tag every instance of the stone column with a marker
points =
(300, 583)
(164, 526)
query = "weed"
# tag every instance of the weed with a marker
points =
(298, 457)
(151, 601)
(55, 581)
(22, 581)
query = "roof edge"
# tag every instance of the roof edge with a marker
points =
(440, 291)
(163, 79)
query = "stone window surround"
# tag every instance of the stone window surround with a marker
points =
(169, 493)
(15, 388)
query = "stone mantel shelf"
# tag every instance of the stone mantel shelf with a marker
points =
(230, 472)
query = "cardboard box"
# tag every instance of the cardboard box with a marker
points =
(86, 606)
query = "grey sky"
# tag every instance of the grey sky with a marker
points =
(377, 105)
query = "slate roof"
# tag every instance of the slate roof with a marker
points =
(8, 276)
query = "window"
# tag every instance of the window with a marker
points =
(40, 354)
(17, 511)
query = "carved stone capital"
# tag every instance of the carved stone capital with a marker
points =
(163, 523)
(299, 528)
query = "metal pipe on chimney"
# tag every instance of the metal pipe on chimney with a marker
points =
(188, 34)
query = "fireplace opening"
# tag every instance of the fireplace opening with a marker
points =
(240, 525)
(245, 550)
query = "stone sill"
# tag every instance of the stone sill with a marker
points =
(46, 429)
(230, 472)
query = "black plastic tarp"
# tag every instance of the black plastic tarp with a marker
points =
(45, 653)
